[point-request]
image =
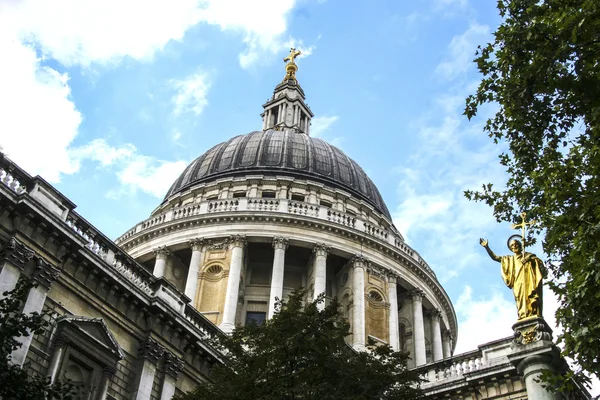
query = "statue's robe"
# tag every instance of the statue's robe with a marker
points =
(524, 276)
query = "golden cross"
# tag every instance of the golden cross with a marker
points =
(523, 226)
(292, 56)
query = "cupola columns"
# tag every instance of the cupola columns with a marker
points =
(286, 110)
(280, 245)
(237, 244)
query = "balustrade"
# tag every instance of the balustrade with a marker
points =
(301, 208)
(454, 368)
(223, 205)
(263, 204)
(341, 218)
(12, 176)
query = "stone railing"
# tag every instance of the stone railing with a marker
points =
(263, 204)
(204, 326)
(13, 177)
(341, 218)
(223, 205)
(490, 356)
(301, 208)
(280, 206)
(105, 249)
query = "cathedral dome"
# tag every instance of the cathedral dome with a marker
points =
(281, 152)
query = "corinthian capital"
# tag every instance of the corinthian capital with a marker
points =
(280, 243)
(151, 350)
(16, 253)
(321, 249)
(161, 252)
(434, 314)
(416, 294)
(360, 261)
(197, 244)
(237, 240)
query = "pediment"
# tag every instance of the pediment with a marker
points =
(92, 330)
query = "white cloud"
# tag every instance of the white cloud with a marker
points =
(319, 125)
(484, 319)
(35, 100)
(441, 4)
(134, 171)
(191, 94)
(461, 52)
(39, 119)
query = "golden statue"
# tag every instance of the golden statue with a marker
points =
(522, 272)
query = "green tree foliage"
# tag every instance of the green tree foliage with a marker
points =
(543, 71)
(301, 354)
(16, 383)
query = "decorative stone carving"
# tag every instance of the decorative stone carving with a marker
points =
(197, 244)
(44, 273)
(434, 314)
(360, 261)
(321, 249)
(151, 350)
(61, 340)
(16, 253)
(161, 252)
(416, 294)
(237, 240)
(531, 330)
(280, 243)
(173, 364)
(392, 277)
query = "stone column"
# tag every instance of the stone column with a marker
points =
(393, 319)
(418, 328)
(531, 368)
(44, 274)
(173, 365)
(160, 265)
(13, 258)
(447, 343)
(58, 349)
(359, 264)
(191, 284)
(436, 335)
(236, 243)
(107, 374)
(150, 352)
(320, 271)
(280, 244)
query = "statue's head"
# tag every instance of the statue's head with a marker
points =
(515, 246)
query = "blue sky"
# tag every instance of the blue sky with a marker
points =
(110, 100)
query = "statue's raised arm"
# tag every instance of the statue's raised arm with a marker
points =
(483, 242)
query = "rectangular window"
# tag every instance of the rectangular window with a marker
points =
(325, 203)
(257, 317)
(211, 198)
(238, 195)
(298, 197)
(268, 195)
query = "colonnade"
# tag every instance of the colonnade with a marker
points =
(440, 339)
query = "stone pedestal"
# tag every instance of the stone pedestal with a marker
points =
(533, 352)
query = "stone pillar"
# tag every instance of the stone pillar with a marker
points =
(436, 335)
(58, 349)
(173, 365)
(531, 368)
(160, 265)
(359, 264)
(418, 328)
(264, 126)
(320, 271)
(13, 258)
(280, 245)
(44, 274)
(191, 284)
(447, 343)
(393, 319)
(150, 352)
(107, 374)
(237, 244)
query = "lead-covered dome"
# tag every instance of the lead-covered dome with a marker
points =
(281, 152)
